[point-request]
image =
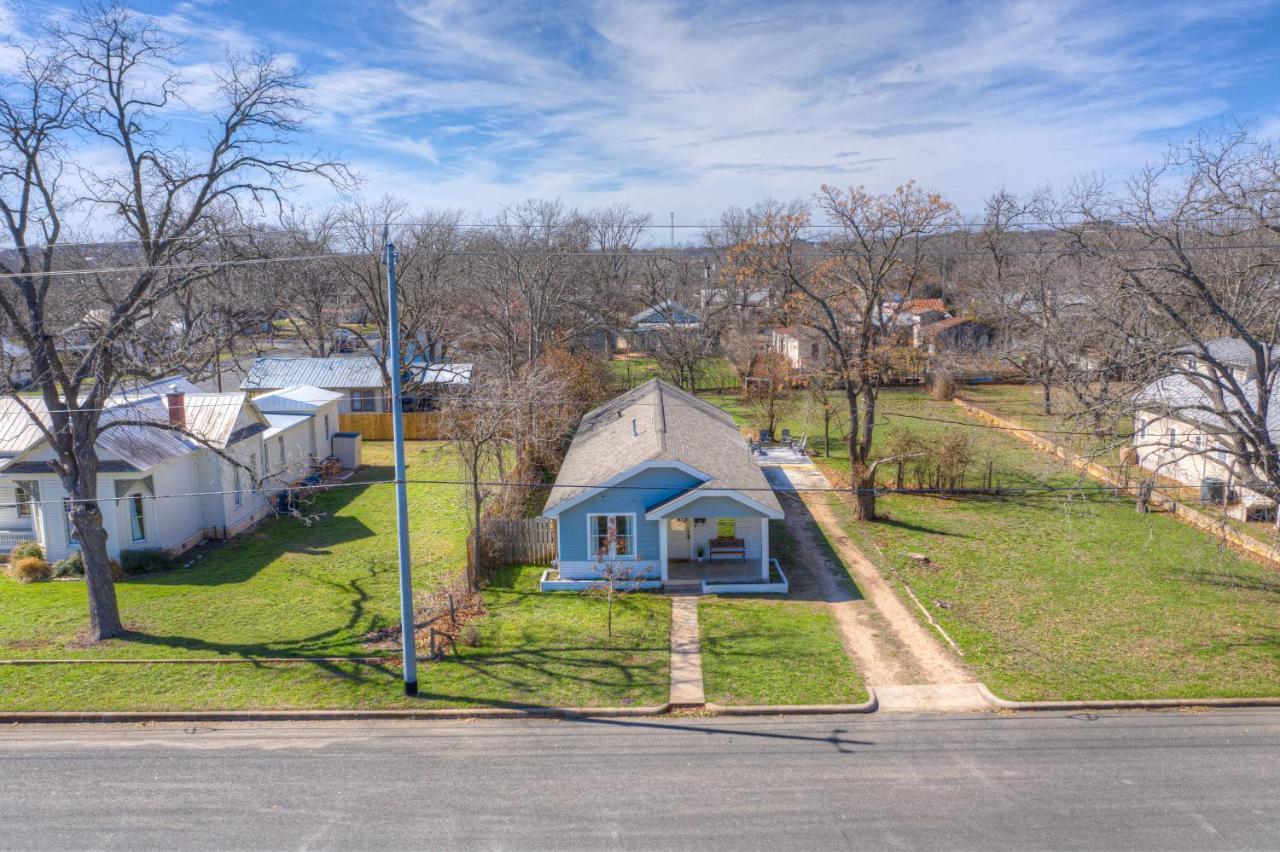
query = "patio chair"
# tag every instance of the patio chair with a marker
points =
(786, 437)
(764, 437)
(800, 445)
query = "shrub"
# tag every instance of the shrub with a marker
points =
(72, 566)
(471, 636)
(31, 569)
(144, 561)
(25, 549)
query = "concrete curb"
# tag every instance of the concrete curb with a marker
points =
(332, 715)
(1126, 704)
(198, 661)
(869, 706)
(39, 717)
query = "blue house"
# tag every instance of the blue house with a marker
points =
(657, 319)
(664, 483)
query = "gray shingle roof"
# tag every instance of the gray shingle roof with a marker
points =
(1231, 351)
(669, 424)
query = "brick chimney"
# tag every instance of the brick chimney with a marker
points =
(177, 406)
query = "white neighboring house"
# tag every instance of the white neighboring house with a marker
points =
(804, 348)
(1176, 437)
(303, 420)
(206, 496)
(357, 378)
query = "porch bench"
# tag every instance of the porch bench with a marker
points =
(728, 548)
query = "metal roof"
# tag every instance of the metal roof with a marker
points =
(299, 398)
(443, 374)
(657, 421)
(281, 422)
(18, 432)
(355, 371)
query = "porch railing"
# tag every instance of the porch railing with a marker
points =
(11, 538)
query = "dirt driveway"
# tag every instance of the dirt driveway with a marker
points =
(885, 639)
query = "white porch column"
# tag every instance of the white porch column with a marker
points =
(764, 549)
(662, 547)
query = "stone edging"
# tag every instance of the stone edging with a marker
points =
(1125, 704)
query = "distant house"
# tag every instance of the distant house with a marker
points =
(804, 348)
(661, 483)
(160, 488)
(1177, 434)
(956, 334)
(358, 378)
(659, 318)
(738, 300)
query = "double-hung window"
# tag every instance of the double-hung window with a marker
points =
(22, 498)
(612, 536)
(137, 519)
(364, 400)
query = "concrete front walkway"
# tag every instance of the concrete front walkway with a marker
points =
(686, 653)
(898, 656)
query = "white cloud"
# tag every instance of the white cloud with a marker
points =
(473, 104)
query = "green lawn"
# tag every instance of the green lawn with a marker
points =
(553, 649)
(294, 589)
(765, 651)
(717, 372)
(1074, 594)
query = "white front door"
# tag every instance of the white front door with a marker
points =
(678, 538)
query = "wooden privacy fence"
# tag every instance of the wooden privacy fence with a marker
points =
(376, 426)
(518, 541)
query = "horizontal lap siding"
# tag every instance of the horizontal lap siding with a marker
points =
(647, 488)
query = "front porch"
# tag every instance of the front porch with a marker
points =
(725, 577)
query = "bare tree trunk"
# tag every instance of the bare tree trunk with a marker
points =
(86, 517)
(861, 480)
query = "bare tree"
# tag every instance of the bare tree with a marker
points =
(1192, 245)
(680, 347)
(769, 392)
(849, 288)
(105, 73)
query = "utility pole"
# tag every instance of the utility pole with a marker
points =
(408, 645)
(673, 229)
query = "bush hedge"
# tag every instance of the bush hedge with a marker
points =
(25, 549)
(144, 561)
(31, 569)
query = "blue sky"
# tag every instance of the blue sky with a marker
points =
(692, 107)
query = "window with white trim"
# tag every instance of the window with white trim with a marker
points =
(611, 536)
(22, 498)
(137, 518)
(236, 486)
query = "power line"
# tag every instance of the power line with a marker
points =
(1022, 228)
(631, 253)
(830, 489)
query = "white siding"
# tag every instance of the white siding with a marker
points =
(747, 529)
(174, 521)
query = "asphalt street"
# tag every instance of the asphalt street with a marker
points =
(1171, 780)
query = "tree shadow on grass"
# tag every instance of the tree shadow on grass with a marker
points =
(241, 558)
(314, 645)
(1231, 580)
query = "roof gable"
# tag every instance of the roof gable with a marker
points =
(657, 423)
